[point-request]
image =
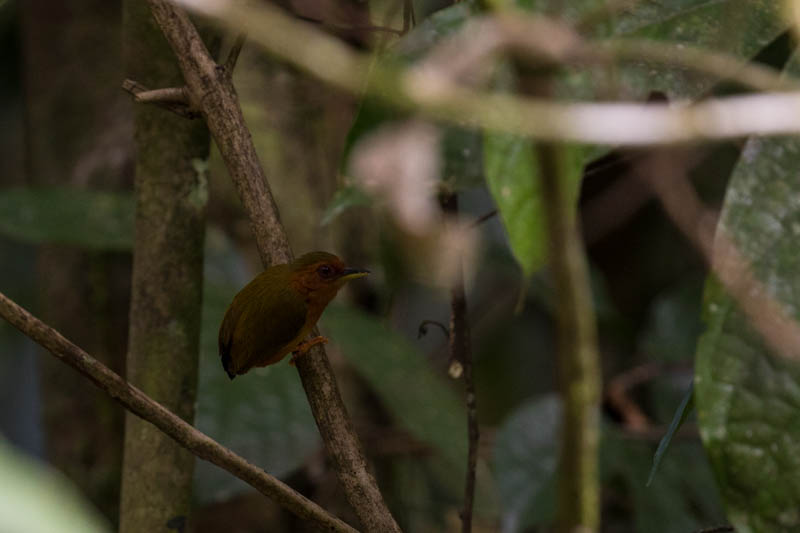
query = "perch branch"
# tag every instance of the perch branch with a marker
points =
(183, 433)
(461, 354)
(214, 92)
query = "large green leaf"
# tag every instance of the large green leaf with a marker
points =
(36, 500)
(748, 397)
(419, 400)
(79, 217)
(512, 173)
(263, 415)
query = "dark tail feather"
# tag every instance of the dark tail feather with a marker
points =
(226, 364)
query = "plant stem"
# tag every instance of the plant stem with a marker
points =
(578, 507)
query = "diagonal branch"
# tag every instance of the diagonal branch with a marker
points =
(213, 90)
(183, 433)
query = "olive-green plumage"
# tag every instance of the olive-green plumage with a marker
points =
(272, 314)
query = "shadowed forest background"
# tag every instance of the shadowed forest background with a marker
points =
(355, 176)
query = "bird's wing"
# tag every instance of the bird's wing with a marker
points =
(263, 318)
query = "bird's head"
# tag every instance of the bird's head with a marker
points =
(322, 274)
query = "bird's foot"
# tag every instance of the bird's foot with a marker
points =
(306, 345)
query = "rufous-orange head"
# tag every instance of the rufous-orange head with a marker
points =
(320, 275)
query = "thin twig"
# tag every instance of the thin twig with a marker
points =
(483, 218)
(173, 99)
(233, 54)
(423, 328)
(634, 124)
(183, 433)
(223, 114)
(716, 529)
(461, 354)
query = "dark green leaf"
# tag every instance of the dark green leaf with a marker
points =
(525, 457)
(79, 217)
(748, 397)
(685, 407)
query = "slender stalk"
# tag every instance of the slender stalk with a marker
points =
(578, 504)
(212, 91)
(461, 354)
(182, 432)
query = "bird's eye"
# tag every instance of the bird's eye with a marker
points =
(325, 271)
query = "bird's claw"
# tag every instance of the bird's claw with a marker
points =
(304, 346)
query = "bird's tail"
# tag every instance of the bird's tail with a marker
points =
(226, 364)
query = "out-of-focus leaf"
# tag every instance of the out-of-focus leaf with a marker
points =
(748, 398)
(737, 27)
(460, 148)
(682, 498)
(90, 219)
(512, 173)
(525, 457)
(681, 414)
(345, 198)
(263, 415)
(525, 460)
(419, 400)
(35, 500)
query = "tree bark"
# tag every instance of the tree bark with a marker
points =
(165, 312)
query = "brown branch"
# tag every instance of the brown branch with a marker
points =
(233, 54)
(183, 433)
(215, 94)
(173, 99)
(461, 354)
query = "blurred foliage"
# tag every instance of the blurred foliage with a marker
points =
(34, 499)
(84, 218)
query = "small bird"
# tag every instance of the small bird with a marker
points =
(272, 314)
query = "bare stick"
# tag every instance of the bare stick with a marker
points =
(220, 106)
(233, 54)
(183, 433)
(461, 354)
(173, 99)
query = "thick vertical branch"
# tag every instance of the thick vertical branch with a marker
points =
(167, 284)
(211, 91)
(461, 356)
(578, 365)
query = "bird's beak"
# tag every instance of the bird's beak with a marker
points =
(352, 273)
